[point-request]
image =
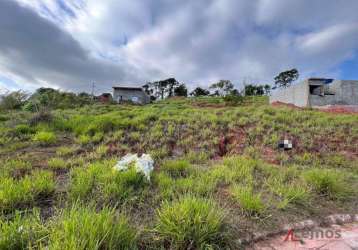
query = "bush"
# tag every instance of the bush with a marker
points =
(42, 116)
(13, 100)
(44, 138)
(84, 228)
(191, 223)
(233, 99)
(328, 183)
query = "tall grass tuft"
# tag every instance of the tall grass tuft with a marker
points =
(327, 182)
(191, 223)
(249, 202)
(83, 228)
(22, 231)
(18, 193)
(44, 138)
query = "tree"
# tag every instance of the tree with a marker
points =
(162, 88)
(251, 90)
(13, 100)
(267, 89)
(222, 88)
(285, 78)
(200, 92)
(181, 90)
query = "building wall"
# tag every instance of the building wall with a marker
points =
(296, 94)
(130, 95)
(344, 93)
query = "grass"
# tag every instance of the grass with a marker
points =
(249, 202)
(57, 163)
(100, 182)
(15, 165)
(84, 228)
(191, 223)
(328, 183)
(22, 231)
(44, 138)
(205, 152)
(25, 192)
(65, 151)
(176, 168)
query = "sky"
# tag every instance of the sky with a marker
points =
(70, 44)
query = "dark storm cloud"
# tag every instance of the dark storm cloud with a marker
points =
(35, 49)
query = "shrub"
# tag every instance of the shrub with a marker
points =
(249, 202)
(328, 183)
(233, 99)
(83, 228)
(13, 100)
(44, 138)
(42, 116)
(191, 223)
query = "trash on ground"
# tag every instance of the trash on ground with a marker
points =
(285, 144)
(144, 164)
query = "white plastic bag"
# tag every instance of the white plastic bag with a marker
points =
(144, 164)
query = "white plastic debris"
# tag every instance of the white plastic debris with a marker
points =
(144, 164)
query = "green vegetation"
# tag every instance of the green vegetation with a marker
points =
(249, 202)
(218, 172)
(328, 183)
(191, 223)
(84, 228)
(22, 231)
(26, 191)
(44, 138)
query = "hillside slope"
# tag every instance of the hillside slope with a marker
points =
(219, 176)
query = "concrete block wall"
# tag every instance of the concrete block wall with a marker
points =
(345, 93)
(296, 94)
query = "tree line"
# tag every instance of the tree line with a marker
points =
(171, 87)
(54, 99)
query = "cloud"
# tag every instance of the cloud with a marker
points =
(39, 52)
(69, 44)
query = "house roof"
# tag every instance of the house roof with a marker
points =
(128, 88)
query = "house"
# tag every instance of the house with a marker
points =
(105, 98)
(130, 94)
(318, 92)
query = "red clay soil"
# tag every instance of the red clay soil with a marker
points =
(341, 109)
(335, 109)
(278, 104)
